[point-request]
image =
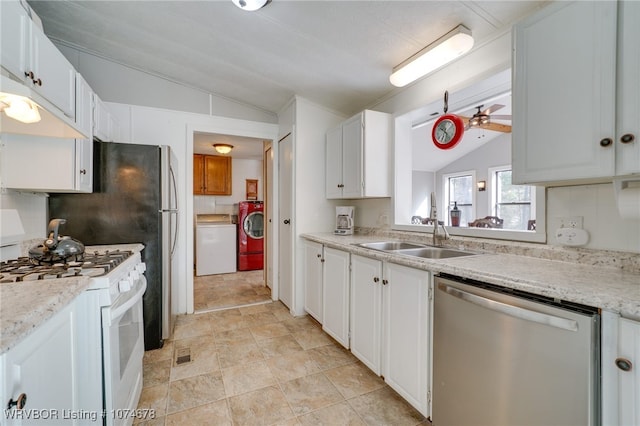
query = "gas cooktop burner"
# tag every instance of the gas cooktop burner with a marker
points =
(93, 265)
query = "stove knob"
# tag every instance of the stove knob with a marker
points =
(124, 286)
(134, 275)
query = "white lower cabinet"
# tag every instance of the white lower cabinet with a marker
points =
(312, 273)
(40, 370)
(620, 370)
(335, 295)
(390, 325)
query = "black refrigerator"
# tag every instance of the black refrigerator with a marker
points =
(134, 200)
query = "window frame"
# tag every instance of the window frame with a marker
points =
(493, 188)
(444, 210)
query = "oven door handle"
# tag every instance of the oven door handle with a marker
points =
(122, 309)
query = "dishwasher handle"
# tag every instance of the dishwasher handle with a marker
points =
(514, 311)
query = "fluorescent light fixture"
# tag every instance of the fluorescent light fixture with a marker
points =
(223, 148)
(250, 5)
(19, 108)
(455, 43)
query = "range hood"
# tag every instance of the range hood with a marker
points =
(52, 123)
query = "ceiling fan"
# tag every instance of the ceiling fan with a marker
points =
(482, 119)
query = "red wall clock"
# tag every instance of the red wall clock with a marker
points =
(447, 131)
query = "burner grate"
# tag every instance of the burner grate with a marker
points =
(93, 264)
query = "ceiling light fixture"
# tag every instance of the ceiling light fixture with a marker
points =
(250, 5)
(455, 43)
(223, 148)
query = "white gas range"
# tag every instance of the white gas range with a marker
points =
(108, 329)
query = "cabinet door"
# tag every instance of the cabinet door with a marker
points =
(198, 174)
(333, 163)
(37, 163)
(335, 295)
(352, 158)
(100, 119)
(84, 147)
(14, 24)
(629, 381)
(54, 73)
(564, 93)
(406, 323)
(217, 175)
(42, 367)
(312, 273)
(366, 311)
(628, 88)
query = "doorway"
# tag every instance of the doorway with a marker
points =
(235, 284)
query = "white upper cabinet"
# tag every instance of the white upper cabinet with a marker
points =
(105, 126)
(572, 113)
(30, 56)
(357, 157)
(84, 147)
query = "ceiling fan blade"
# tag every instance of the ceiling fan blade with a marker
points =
(500, 117)
(492, 108)
(496, 127)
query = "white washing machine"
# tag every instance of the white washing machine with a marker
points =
(215, 244)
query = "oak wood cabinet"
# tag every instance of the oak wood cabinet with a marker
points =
(211, 175)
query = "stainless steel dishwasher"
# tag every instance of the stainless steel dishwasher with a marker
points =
(505, 357)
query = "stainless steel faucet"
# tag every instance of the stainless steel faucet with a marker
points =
(438, 236)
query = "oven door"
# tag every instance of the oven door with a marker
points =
(123, 340)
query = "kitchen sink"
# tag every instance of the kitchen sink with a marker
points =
(390, 245)
(415, 250)
(434, 253)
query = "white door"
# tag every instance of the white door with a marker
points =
(285, 217)
(406, 330)
(366, 311)
(563, 93)
(312, 274)
(268, 211)
(352, 158)
(335, 295)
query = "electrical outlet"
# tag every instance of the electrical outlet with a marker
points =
(570, 222)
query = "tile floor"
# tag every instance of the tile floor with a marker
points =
(258, 365)
(212, 292)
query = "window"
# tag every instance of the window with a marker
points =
(458, 189)
(512, 203)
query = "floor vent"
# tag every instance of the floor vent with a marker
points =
(183, 356)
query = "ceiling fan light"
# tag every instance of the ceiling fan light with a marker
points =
(455, 43)
(250, 5)
(223, 148)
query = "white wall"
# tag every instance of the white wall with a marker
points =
(32, 209)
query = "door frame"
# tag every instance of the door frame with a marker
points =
(234, 127)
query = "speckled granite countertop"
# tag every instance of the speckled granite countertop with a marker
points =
(608, 288)
(26, 305)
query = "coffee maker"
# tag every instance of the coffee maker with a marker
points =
(344, 220)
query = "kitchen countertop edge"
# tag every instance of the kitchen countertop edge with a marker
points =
(606, 288)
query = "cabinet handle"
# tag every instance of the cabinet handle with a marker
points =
(286, 221)
(606, 142)
(627, 138)
(376, 279)
(318, 256)
(29, 74)
(624, 364)
(37, 82)
(340, 185)
(83, 172)
(18, 403)
(385, 282)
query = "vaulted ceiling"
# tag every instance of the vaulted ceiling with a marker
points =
(335, 53)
